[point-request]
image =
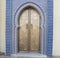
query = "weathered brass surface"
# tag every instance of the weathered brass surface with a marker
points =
(29, 32)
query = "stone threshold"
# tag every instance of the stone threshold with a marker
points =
(29, 55)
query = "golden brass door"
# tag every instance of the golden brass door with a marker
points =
(29, 32)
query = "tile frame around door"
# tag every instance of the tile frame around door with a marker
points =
(42, 24)
(9, 27)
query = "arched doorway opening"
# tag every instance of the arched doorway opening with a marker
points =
(29, 30)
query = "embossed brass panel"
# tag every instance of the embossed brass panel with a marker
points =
(29, 32)
(23, 32)
(34, 30)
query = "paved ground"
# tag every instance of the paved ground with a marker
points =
(19, 57)
(14, 57)
(24, 55)
(2, 55)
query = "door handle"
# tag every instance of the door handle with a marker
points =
(26, 26)
(31, 26)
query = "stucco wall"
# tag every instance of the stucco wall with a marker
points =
(56, 36)
(2, 25)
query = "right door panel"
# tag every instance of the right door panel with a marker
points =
(35, 31)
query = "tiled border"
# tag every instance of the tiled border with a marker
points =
(43, 41)
(8, 27)
(50, 28)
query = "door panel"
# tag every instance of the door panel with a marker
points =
(29, 32)
(34, 30)
(23, 34)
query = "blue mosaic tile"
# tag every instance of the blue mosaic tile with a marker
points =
(50, 28)
(50, 24)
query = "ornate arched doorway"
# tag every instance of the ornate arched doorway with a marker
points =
(29, 31)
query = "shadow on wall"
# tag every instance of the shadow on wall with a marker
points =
(2, 53)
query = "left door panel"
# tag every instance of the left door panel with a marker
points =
(23, 32)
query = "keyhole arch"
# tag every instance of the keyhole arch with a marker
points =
(18, 12)
(33, 20)
(25, 8)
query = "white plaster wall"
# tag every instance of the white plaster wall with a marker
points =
(56, 30)
(2, 25)
(56, 26)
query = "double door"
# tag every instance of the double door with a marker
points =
(29, 31)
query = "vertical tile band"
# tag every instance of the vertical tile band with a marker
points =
(8, 27)
(50, 28)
